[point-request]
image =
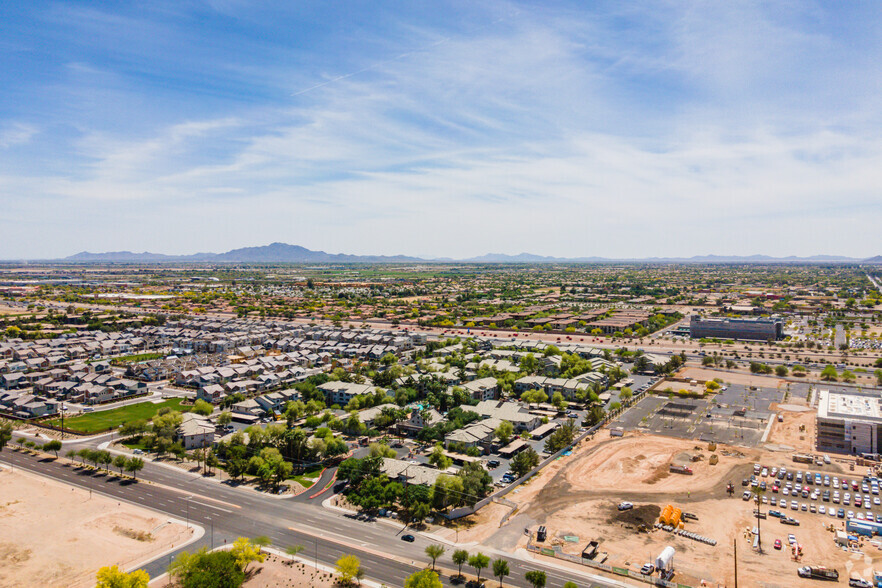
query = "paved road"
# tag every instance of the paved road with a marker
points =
(227, 513)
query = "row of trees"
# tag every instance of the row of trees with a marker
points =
(102, 457)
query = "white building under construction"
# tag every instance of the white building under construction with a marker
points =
(849, 422)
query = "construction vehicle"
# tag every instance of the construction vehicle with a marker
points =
(680, 469)
(803, 458)
(818, 573)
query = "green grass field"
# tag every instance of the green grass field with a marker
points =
(308, 478)
(140, 357)
(97, 422)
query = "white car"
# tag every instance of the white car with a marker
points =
(849, 514)
(822, 509)
(794, 505)
(876, 501)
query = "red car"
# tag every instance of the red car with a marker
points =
(777, 544)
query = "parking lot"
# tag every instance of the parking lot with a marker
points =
(736, 415)
(803, 492)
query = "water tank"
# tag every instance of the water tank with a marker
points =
(665, 560)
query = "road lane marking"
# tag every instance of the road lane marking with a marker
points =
(210, 506)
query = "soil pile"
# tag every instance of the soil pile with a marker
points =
(646, 514)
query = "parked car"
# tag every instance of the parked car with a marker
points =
(647, 569)
(777, 544)
(625, 506)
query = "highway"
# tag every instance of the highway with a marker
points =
(226, 513)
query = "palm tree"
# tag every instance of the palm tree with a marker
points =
(434, 551)
(500, 570)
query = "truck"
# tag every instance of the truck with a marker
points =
(680, 469)
(590, 551)
(818, 573)
(803, 458)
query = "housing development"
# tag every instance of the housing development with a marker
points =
(519, 294)
(559, 418)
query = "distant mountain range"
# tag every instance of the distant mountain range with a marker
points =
(284, 253)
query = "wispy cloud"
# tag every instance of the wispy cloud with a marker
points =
(619, 131)
(15, 134)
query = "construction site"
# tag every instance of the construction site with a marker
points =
(617, 503)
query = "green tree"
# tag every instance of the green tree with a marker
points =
(829, 373)
(113, 577)
(225, 418)
(5, 434)
(120, 462)
(781, 371)
(460, 558)
(349, 568)
(204, 569)
(479, 561)
(381, 450)
(570, 585)
(524, 461)
(202, 407)
(434, 552)
(245, 551)
(504, 432)
(500, 569)
(438, 459)
(536, 578)
(423, 579)
(54, 446)
(134, 465)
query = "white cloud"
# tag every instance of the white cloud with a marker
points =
(16, 133)
(555, 134)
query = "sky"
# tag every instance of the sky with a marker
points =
(441, 129)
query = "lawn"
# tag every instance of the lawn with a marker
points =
(140, 357)
(308, 478)
(97, 422)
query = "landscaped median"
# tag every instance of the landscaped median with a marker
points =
(106, 420)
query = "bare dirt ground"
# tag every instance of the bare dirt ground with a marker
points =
(577, 496)
(53, 535)
(789, 433)
(276, 571)
(746, 379)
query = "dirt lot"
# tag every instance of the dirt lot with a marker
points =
(577, 496)
(745, 379)
(276, 571)
(53, 535)
(788, 433)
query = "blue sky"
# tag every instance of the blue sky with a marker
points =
(441, 128)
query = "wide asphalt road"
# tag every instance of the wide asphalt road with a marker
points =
(226, 513)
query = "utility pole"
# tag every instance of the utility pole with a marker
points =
(62, 419)
(735, 559)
